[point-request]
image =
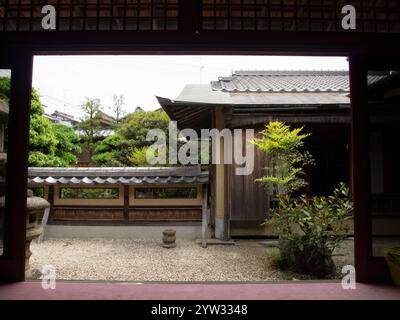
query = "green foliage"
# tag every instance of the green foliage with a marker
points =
(166, 193)
(89, 193)
(67, 146)
(138, 157)
(321, 219)
(5, 85)
(38, 192)
(41, 136)
(50, 145)
(309, 228)
(278, 260)
(107, 152)
(39, 159)
(315, 226)
(283, 147)
(127, 147)
(137, 124)
(90, 125)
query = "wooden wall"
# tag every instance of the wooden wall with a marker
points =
(165, 214)
(88, 214)
(124, 210)
(248, 199)
(116, 215)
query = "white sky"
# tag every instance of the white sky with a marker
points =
(64, 81)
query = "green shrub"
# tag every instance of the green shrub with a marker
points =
(278, 260)
(310, 229)
(286, 158)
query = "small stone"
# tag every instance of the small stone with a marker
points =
(169, 238)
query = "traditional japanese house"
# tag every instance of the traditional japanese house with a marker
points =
(317, 100)
(62, 118)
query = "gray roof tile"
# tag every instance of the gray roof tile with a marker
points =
(283, 81)
(127, 176)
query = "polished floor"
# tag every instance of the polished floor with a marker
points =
(305, 290)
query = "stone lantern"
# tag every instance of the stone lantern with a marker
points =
(35, 208)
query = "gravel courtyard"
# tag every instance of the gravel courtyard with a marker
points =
(145, 260)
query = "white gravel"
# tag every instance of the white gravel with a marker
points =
(146, 260)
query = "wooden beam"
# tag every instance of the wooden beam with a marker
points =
(206, 42)
(191, 109)
(193, 115)
(17, 159)
(212, 186)
(227, 204)
(244, 120)
(50, 199)
(360, 167)
(204, 218)
(126, 203)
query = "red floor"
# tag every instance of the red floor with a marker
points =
(280, 291)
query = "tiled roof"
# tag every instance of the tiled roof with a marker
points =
(126, 176)
(203, 94)
(283, 81)
(63, 115)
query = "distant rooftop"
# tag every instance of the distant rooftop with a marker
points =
(283, 81)
(106, 118)
(300, 81)
(64, 115)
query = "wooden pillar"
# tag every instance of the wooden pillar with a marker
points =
(360, 167)
(17, 167)
(220, 183)
(227, 206)
(212, 186)
(126, 203)
(50, 199)
(204, 218)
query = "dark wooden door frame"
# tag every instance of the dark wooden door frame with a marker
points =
(368, 268)
(20, 59)
(12, 262)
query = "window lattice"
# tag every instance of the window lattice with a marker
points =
(377, 16)
(299, 15)
(91, 15)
